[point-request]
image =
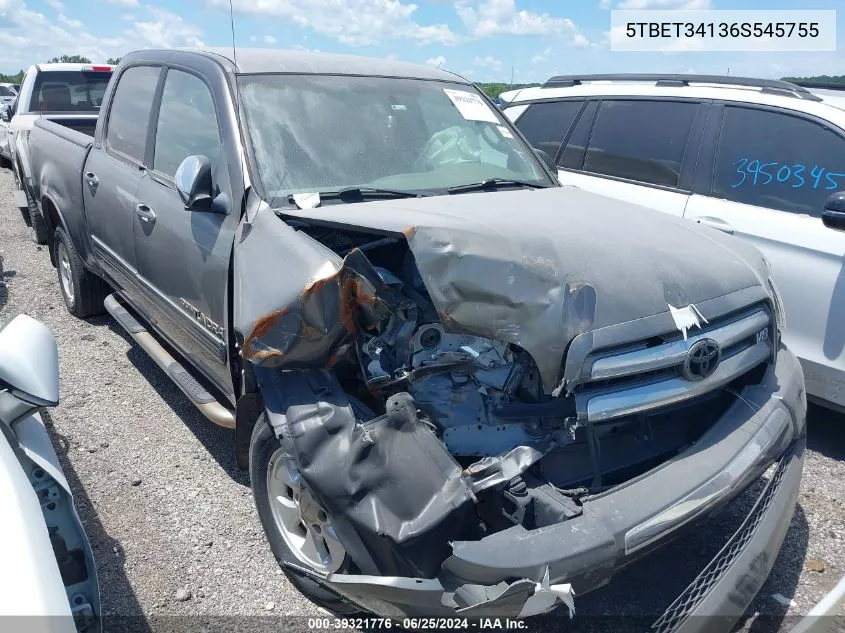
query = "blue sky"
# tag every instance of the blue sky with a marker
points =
(481, 39)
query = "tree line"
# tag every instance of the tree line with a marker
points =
(64, 59)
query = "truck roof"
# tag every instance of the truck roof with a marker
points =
(257, 60)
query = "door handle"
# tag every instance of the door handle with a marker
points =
(145, 213)
(715, 223)
(91, 178)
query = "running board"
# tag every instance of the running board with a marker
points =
(196, 393)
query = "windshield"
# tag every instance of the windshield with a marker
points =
(68, 91)
(316, 133)
(7, 91)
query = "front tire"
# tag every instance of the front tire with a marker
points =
(19, 184)
(82, 291)
(266, 459)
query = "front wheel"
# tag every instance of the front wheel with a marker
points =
(38, 227)
(300, 532)
(19, 184)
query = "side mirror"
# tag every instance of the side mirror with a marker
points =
(6, 114)
(833, 215)
(546, 158)
(29, 364)
(193, 182)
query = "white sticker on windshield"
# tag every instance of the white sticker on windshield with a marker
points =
(504, 131)
(306, 200)
(471, 106)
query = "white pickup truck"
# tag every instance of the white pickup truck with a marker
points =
(64, 92)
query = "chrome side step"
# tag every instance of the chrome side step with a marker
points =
(195, 392)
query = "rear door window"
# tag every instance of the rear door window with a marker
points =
(776, 160)
(546, 124)
(129, 115)
(641, 140)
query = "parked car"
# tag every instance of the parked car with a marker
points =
(460, 389)
(6, 110)
(754, 158)
(8, 92)
(70, 93)
(48, 569)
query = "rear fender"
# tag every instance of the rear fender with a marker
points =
(53, 217)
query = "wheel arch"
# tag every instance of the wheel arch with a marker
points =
(53, 217)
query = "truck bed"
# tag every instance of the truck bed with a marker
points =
(84, 124)
(58, 149)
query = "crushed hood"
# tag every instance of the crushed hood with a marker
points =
(538, 267)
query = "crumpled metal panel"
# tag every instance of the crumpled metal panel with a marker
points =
(396, 496)
(537, 268)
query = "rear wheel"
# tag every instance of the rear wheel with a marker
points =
(300, 532)
(82, 291)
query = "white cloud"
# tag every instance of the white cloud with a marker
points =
(166, 30)
(689, 5)
(487, 62)
(29, 37)
(486, 18)
(541, 58)
(71, 23)
(269, 39)
(56, 4)
(124, 3)
(352, 22)
(437, 62)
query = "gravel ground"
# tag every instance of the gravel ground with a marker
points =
(172, 520)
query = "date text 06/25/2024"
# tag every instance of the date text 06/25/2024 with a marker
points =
(457, 624)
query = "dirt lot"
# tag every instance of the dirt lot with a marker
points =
(172, 520)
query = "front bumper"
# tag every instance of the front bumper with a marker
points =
(517, 572)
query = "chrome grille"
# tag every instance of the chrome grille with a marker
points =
(642, 377)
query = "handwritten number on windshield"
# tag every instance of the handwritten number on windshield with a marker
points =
(762, 174)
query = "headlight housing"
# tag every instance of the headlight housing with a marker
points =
(780, 315)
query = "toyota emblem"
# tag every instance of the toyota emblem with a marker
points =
(702, 360)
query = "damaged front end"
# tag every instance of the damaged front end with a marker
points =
(436, 442)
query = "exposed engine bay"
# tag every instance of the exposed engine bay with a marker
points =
(482, 396)
(421, 434)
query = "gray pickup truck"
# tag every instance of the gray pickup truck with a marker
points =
(460, 389)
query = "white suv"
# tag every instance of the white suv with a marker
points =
(762, 160)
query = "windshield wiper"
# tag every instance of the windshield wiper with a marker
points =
(495, 183)
(357, 194)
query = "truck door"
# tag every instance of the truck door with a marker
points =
(112, 174)
(183, 256)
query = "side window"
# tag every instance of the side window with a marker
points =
(129, 114)
(776, 160)
(641, 140)
(545, 124)
(576, 145)
(187, 124)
